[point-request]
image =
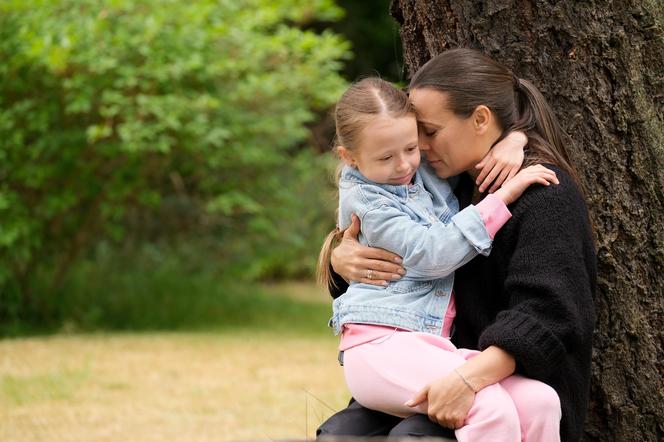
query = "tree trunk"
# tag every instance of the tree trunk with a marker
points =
(601, 66)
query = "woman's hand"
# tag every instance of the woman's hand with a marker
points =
(512, 189)
(502, 162)
(355, 262)
(449, 399)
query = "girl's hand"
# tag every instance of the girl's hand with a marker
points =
(355, 262)
(502, 162)
(512, 189)
(449, 399)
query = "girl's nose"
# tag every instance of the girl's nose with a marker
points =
(422, 142)
(403, 164)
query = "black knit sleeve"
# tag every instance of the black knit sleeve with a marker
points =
(550, 281)
(339, 285)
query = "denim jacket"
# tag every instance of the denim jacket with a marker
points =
(423, 225)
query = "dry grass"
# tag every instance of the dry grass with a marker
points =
(175, 387)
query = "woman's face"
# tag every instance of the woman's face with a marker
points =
(452, 145)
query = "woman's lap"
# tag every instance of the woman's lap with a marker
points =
(424, 357)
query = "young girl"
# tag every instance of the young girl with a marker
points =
(406, 209)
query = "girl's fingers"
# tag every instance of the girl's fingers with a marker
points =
(513, 172)
(499, 181)
(550, 177)
(488, 167)
(489, 178)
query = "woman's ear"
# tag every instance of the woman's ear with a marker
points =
(482, 118)
(346, 156)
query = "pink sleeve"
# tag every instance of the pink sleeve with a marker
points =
(494, 212)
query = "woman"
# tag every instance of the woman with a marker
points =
(528, 306)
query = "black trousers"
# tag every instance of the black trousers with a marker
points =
(355, 420)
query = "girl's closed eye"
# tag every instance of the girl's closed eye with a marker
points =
(386, 158)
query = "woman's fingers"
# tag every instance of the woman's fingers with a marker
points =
(378, 282)
(354, 229)
(377, 272)
(419, 397)
(383, 255)
(384, 276)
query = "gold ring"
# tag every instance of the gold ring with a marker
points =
(369, 274)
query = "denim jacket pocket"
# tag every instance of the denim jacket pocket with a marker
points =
(409, 286)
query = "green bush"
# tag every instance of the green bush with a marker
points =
(164, 287)
(110, 111)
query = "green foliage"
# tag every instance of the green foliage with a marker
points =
(165, 287)
(112, 110)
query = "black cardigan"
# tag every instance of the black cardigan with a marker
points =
(533, 296)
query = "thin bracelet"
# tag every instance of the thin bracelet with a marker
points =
(465, 381)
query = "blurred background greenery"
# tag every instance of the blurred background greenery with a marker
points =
(162, 160)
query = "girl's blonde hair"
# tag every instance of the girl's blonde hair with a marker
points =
(357, 107)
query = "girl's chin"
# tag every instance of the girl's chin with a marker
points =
(404, 180)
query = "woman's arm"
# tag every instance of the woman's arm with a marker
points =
(429, 252)
(351, 261)
(436, 250)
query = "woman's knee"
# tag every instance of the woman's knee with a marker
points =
(419, 425)
(355, 420)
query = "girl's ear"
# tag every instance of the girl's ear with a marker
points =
(482, 118)
(346, 156)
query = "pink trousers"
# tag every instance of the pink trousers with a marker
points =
(385, 373)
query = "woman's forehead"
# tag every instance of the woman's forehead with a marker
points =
(428, 103)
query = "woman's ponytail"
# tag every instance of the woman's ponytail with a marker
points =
(546, 139)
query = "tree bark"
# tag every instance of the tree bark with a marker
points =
(601, 66)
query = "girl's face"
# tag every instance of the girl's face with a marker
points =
(387, 151)
(451, 144)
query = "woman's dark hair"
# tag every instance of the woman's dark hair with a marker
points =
(470, 79)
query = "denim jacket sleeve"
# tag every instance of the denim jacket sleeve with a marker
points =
(432, 251)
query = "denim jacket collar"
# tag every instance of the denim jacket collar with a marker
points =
(352, 175)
